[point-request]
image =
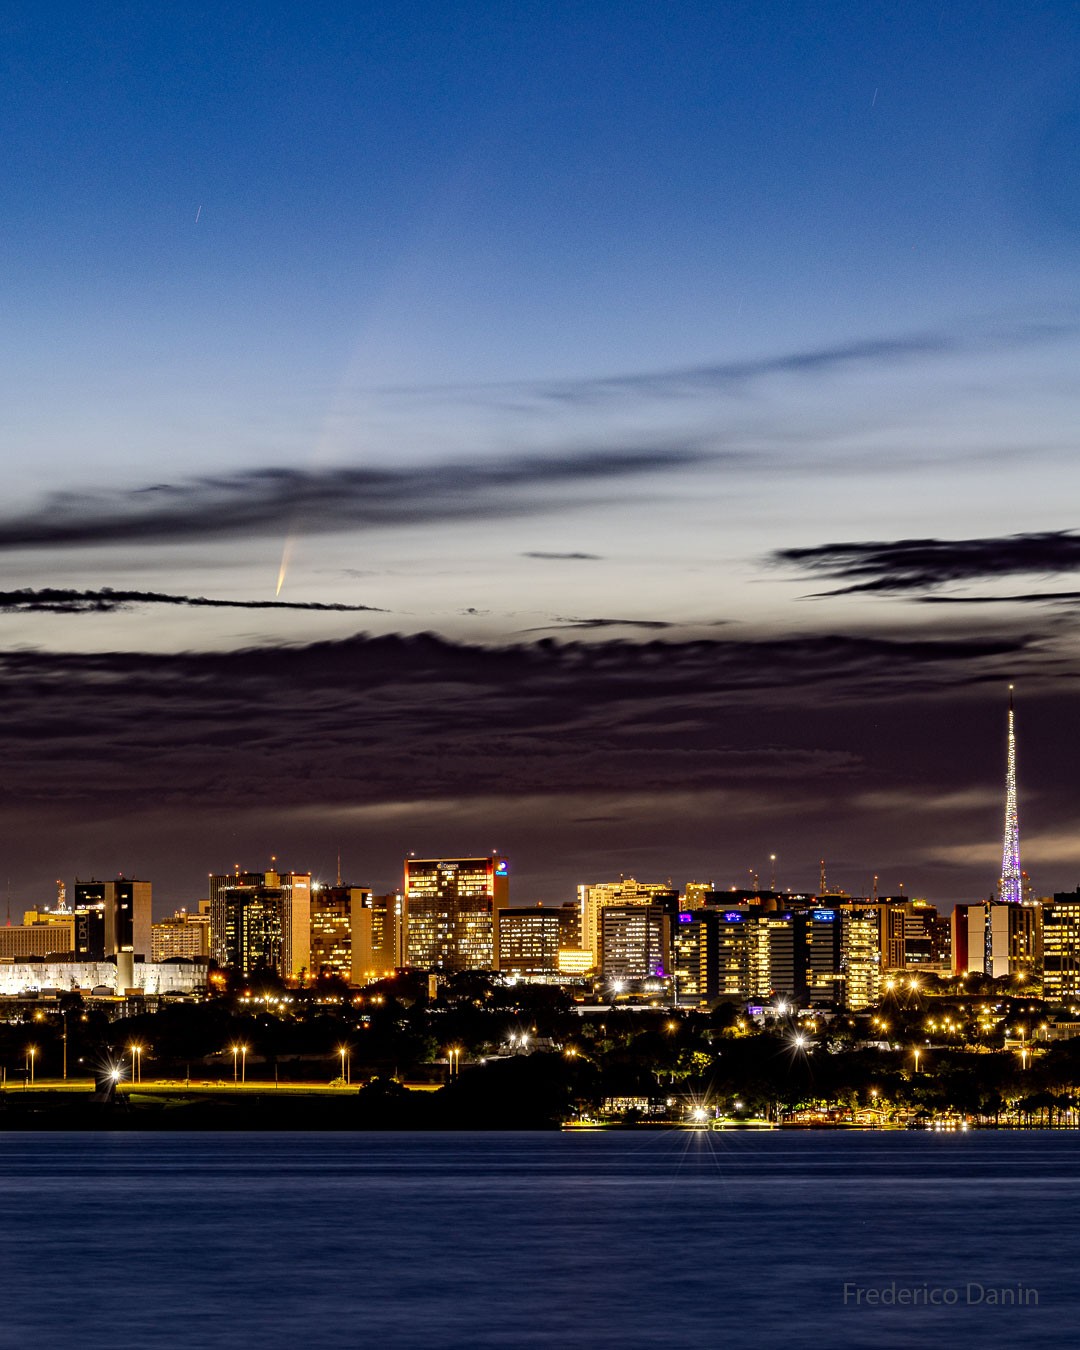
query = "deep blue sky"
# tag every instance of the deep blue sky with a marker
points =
(418, 298)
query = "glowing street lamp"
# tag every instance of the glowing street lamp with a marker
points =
(917, 1053)
(343, 1051)
(136, 1063)
(243, 1063)
(31, 1052)
(454, 1056)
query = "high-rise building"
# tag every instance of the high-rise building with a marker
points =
(824, 974)
(530, 940)
(961, 955)
(182, 934)
(117, 917)
(332, 909)
(777, 956)
(635, 942)
(592, 898)
(710, 958)
(18, 941)
(1061, 947)
(695, 894)
(1007, 937)
(378, 936)
(450, 912)
(262, 920)
(1011, 885)
(860, 957)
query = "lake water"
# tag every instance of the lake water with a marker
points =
(579, 1240)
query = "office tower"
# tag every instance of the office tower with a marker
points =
(378, 936)
(182, 934)
(1011, 886)
(693, 957)
(695, 893)
(18, 941)
(332, 927)
(626, 891)
(530, 940)
(824, 977)
(777, 956)
(450, 909)
(710, 956)
(1061, 947)
(113, 917)
(961, 955)
(262, 920)
(860, 956)
(1007, 936)
(635, 942)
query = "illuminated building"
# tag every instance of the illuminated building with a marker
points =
(575, 961)
(711, 956)
(262, 920)
(182, 934)
(530, 940)
(1006, 936)
(822, 962)
(961, 958)
(450, 909)
(117, 917)
(776, 957)
(18, 941)
(378, 936)
(1061, 947)
(332, 928)
(860, 957)
(593, 898)
(695, 894)
(635, 943)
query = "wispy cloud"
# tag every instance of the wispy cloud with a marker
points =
(53, 600)
(924, 564)
(724, 377)
(308, 501)
(563, 557)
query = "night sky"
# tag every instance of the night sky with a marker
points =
(638, 438)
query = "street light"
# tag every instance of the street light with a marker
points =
(243, 1063)
(343, 1051)
(235, 1055)
(136, 1062)
(454, 1056)
(917, 1052)
(31, 1051)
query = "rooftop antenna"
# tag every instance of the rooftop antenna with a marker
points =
(338, 883)
(875, 888)
(822, 890)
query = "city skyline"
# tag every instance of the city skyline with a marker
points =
(611, 442)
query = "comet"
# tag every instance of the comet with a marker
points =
(286, 554)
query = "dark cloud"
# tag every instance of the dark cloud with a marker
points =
(559, 623)
(272, 501)
(564, 557)
(923, 564)
(53, 600)
(1024, 598)
(682, 755)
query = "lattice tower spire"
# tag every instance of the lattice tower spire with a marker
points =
(1010, 887)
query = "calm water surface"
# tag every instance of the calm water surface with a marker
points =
(591, 1240)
